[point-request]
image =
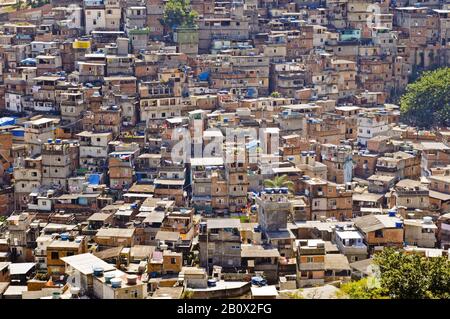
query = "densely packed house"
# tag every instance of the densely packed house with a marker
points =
(140, 159)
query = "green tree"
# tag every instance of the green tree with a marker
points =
(275, 94)
(366, 288)
(297, 294)
(178, 13)
(439, 277)
(426, 102)
(187, 294)
(412, 276)
(279, 181)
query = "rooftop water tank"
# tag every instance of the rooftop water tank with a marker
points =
(74, 291)
(98, 271)
(109, 276)
(427, 220)
(392, 213)
(212, 282)
(49, 140)
(131, 279)
(58, 141)
(64, 236)
(399, 225)
(116, 282)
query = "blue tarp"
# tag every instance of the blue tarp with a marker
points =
(203, 76)
(28, 61)
(251, 92)
(259, 281)
(7, 121)
(18, 133)
(94, 179)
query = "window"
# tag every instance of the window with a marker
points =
(70, 253)
(379, 233)
(309, 259)
(173, 261)
(55, 255)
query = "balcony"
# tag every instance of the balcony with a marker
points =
(385, 168)
(311, 266)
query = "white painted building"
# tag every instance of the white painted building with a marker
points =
(13, 102)
(370, 125)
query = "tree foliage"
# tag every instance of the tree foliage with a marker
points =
(412, 276)
(178, 13)
(278, 182)
(366, 288)
(275, 94)
(426, 102)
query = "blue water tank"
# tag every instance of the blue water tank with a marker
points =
(64, 236)
(109, 276)
(98, 271)
(399, 225)
(116, 282)
(392, 213)
(58, 141)
(49, 140)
